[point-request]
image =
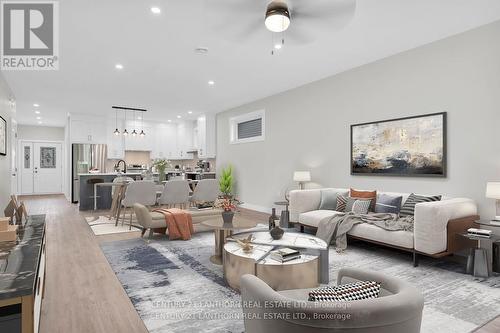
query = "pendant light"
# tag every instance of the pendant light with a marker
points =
(134, 133)
(142, 129)
(116, 132)
(125, 132)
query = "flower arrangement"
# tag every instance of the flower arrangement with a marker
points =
(227, 201)
(161, 165)
(228, 204)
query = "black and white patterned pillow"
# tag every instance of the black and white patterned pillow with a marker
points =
(341, 203)
(408, 208)
(346, 292)
(358, 206)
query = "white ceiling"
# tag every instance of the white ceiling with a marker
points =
(162, 73)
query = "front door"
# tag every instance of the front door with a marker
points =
(41, 167)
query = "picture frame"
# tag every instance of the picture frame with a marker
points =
(414, 146)
(3, 137)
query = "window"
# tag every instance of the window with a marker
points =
(248, 127)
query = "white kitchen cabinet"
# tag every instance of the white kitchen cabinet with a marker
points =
(139, 143)
(206, 136)
(87, 129)
(165, 145)
(116, 143)
(185, 140)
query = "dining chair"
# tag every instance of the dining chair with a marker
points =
(143, 192)
(207, 190)
(175, 192)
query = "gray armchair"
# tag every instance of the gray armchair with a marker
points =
(397, 309)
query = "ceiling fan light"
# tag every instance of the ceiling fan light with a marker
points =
(277, 17)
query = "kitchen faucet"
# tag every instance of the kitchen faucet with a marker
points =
(117, 166)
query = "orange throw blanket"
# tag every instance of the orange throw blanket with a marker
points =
(179, 223)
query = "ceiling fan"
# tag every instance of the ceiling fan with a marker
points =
(300, 19)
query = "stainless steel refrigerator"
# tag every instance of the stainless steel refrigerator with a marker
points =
(86, 157)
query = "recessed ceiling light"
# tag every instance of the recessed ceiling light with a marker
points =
(139, 117)
(179, 117)
(119, 66)
(37, 112)
(201, 50)
(169, 120)
(38, 118)
(211, 83)
(36, 105)
(39, 122)
(155, 10)
(278, 46)
(190, 112)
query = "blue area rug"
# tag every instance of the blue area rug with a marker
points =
(175, 288)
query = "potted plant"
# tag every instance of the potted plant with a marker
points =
(227, 202)
(161, 165)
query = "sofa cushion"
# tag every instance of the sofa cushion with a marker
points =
(341, 203)
(346, 292)
(408, 208)
(312, 218)
(329, 198)
(399, 238)
(388, 204)
(358, 206)
(372, 195)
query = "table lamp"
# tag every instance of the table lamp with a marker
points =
(493, 192)
(304, 176)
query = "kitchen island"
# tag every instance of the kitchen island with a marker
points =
(87, 181)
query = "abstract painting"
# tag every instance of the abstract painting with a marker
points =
(3, 136)
(412, 146)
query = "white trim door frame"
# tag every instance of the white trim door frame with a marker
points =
(40, 166)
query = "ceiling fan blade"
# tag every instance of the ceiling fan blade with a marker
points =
(238, 7)
(239, 31)
(335, 13)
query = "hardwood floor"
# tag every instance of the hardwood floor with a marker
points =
(82, 293)
(491, 327)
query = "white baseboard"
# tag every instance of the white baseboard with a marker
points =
(257, 208)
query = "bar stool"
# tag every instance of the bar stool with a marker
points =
(93, 181)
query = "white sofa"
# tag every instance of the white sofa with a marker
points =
(435, 228)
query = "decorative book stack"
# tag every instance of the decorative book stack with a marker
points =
(8, 233)
(285, 254)
(479, 232)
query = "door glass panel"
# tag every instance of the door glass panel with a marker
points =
(27, 157)
(47, 157)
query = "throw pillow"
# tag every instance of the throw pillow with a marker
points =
(329, 198)
(388, 204)
(372, 195)
(357, 206)
(341, 203)
(346, 292)
(408, 208)
(361, 206)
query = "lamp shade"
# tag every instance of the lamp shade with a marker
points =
(493, 190)
(302, 176)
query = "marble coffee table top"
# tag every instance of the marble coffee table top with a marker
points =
(260, 253)
(291, 239)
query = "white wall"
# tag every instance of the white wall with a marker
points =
(308, 128)
(6, 111)
(47, 133)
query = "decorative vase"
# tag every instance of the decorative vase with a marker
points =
(277, 232)
(227, 216)
(162, 175)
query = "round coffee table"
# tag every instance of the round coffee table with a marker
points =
(223, 230)
(294, 274)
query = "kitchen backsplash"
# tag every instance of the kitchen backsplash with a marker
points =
(143, 158)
